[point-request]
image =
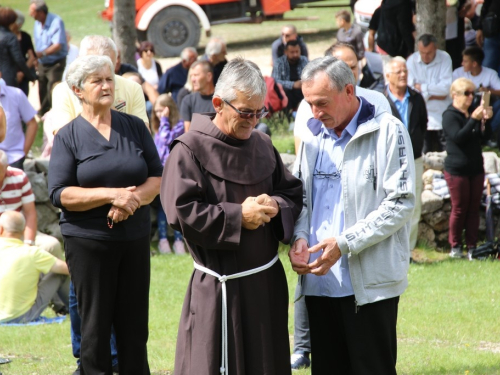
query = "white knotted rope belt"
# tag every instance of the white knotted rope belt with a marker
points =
(224, 360)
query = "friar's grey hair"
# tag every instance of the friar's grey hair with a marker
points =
(98, 45)
(13, 222)
(243, 76)
(338, 72)
(214, 46)
(84, 66)
(4, 160)
(185, 53)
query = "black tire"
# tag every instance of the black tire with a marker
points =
(173, 29)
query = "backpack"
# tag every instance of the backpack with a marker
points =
(276, 99)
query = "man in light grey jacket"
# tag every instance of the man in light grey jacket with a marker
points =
(351, 242)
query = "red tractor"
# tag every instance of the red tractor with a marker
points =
(172, 25)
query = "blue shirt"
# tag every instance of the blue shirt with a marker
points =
(401, 106)
(52, 32)
(328, 211)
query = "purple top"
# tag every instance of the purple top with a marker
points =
(165, 136)
(17, 110)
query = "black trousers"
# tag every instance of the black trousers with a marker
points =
(349, 342)
(111, 280)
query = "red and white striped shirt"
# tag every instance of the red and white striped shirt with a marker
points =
(16, 191)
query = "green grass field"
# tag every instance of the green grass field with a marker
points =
(448, 322)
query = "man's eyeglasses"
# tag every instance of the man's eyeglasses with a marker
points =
(322, 175)
(468, 93)
(248, 115)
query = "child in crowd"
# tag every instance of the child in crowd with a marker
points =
(167, 126)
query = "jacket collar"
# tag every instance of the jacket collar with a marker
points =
(366, 113)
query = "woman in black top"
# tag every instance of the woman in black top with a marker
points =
(11, 57)
(103, 173)
(464, 171)
(27, 50)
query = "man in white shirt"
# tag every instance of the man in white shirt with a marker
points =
(346, 53)
(430, 73)
(485, 79)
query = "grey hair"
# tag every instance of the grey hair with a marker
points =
(4, 159)
(13, 222)
(185, 53)
(427, 39)
(388, 66)
(98, 45)
(214, 46)
(243, 76)
(40, 5)
(20, 18)
(339, 74)
(84, 66)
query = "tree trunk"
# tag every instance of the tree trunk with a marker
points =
(431, 19)
(124, 32)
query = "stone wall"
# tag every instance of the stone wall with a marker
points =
(48, 215)
(433, 226)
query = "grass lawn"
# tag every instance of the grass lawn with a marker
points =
(448, 322)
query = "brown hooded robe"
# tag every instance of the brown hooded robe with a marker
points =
(206, 178)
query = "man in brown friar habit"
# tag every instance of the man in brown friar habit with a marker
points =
(225, 188)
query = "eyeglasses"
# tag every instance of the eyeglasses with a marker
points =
(322, 175)
(148, 50)
(468, 93)
(248, 115)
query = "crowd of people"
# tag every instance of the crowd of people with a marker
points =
(124, 138)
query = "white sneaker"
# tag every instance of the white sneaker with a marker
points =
(164, 246)
(456, 252)
(179, 248)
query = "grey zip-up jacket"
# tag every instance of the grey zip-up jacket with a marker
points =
(378, 190)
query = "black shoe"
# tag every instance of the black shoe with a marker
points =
(116, 369)
(62, 311)
(77, 371)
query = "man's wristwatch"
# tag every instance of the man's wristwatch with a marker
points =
(29, 242)
(44, 54)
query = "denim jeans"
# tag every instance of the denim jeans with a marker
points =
(76, 334)
(162, 226)
(491, 50)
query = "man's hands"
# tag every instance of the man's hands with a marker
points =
(257, 211)
(331, 254)
(299, 256)
(124, 204)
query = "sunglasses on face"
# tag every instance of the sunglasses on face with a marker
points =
(248, 115)
(468, 93)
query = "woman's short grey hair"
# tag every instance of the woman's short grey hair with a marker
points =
(84, 66)
(214, 46)
(4, 160)
(98, 45)
(339, 74)
(20, 18)
(243, 76)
